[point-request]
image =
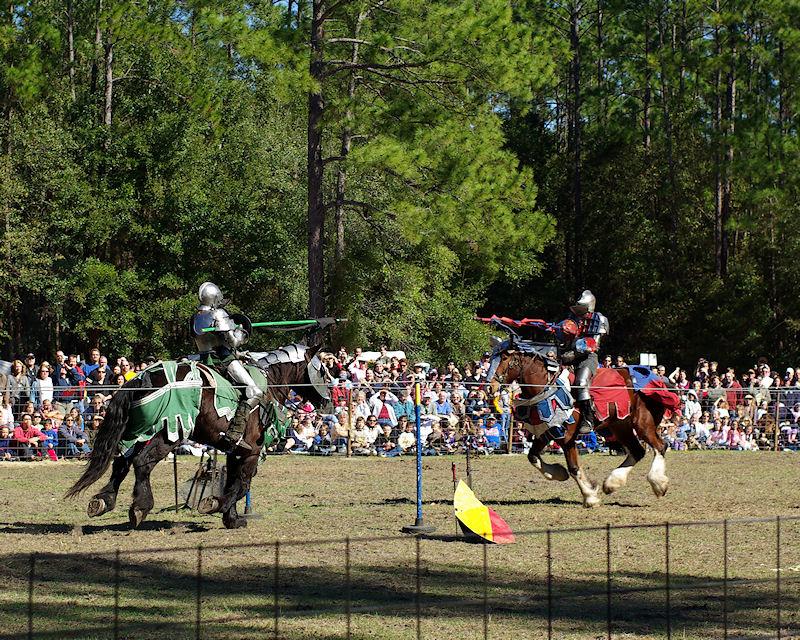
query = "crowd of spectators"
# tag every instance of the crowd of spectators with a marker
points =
(53, 410)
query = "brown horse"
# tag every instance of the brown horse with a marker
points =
(208, 427)
(529, 369)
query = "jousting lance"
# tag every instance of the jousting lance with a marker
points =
(278, 324)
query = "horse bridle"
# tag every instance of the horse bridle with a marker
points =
(514, 361)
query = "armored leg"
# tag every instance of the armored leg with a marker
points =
(251, 398)
(583, 376)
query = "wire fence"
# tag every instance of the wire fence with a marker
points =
(638, 584)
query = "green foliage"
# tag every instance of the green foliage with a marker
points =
(460, 177)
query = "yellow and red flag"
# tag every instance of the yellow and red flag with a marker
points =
(477, 518)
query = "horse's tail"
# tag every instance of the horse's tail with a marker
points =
(108, 437)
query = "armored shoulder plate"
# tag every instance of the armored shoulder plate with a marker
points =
(201, 320)
(292, 353)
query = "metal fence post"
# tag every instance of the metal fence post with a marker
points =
(667, 580)
(198, 591)
(725, 579)
(549, 586)
(608, 581)
(116, 595)
(276, 585)
(485, 593)
(31, 573)
(417, 603)
(778, 574)
(348, 591)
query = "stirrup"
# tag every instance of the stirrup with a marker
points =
(230, 445)
(585, 427)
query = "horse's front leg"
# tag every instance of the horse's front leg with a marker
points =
(589, 489)
(106, 499)
(647, 426)
(549, 471)
(143, 462)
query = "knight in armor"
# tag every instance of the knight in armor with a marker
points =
(219, 348)
(580, 335)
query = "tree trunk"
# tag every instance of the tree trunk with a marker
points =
(71, 48)
(665, 106)
(718, 177)
(575, 141)
(98, 44)
(647, 90)
(347, 138)
(108, 98)
(727, 188)
(316, 204)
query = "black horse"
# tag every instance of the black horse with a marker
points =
(281, 377)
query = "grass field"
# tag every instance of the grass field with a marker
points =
(311, 504)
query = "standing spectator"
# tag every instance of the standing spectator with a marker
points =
(341, 391)
(31, 370)
(42, 387)
(382, 408)
(361, 407)
(404, 406)
(29, 439)
(19, 385)
(733, 390)
(126, 370)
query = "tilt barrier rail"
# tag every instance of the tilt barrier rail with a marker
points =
(277, 597)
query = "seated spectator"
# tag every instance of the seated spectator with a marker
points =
(7, 449)
(94, 427)
(95, 407)
(50, 442)
(6, 412)
(75, 438)
(29, 439)
(405, 405)
(385, 441)
(434, 442)
(492, 432)
(322, 441)
(341, 432)
(442, 407)
(405, 443)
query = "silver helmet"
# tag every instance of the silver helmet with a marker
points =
(585, 304)
(210, 295)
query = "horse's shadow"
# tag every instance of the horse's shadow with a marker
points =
(488, 501)
(52, 528)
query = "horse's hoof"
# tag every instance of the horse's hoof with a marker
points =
(210, 504)
(136, 517)
(659, 486)
(97, 507)
(238, 523)
(591, 502)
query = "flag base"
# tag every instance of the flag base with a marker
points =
(419, 527)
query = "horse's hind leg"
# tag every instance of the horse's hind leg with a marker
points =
(106, 499)
(143, 463)
(618, 478)
(549, 471)
(589, 490)
(648, 430)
